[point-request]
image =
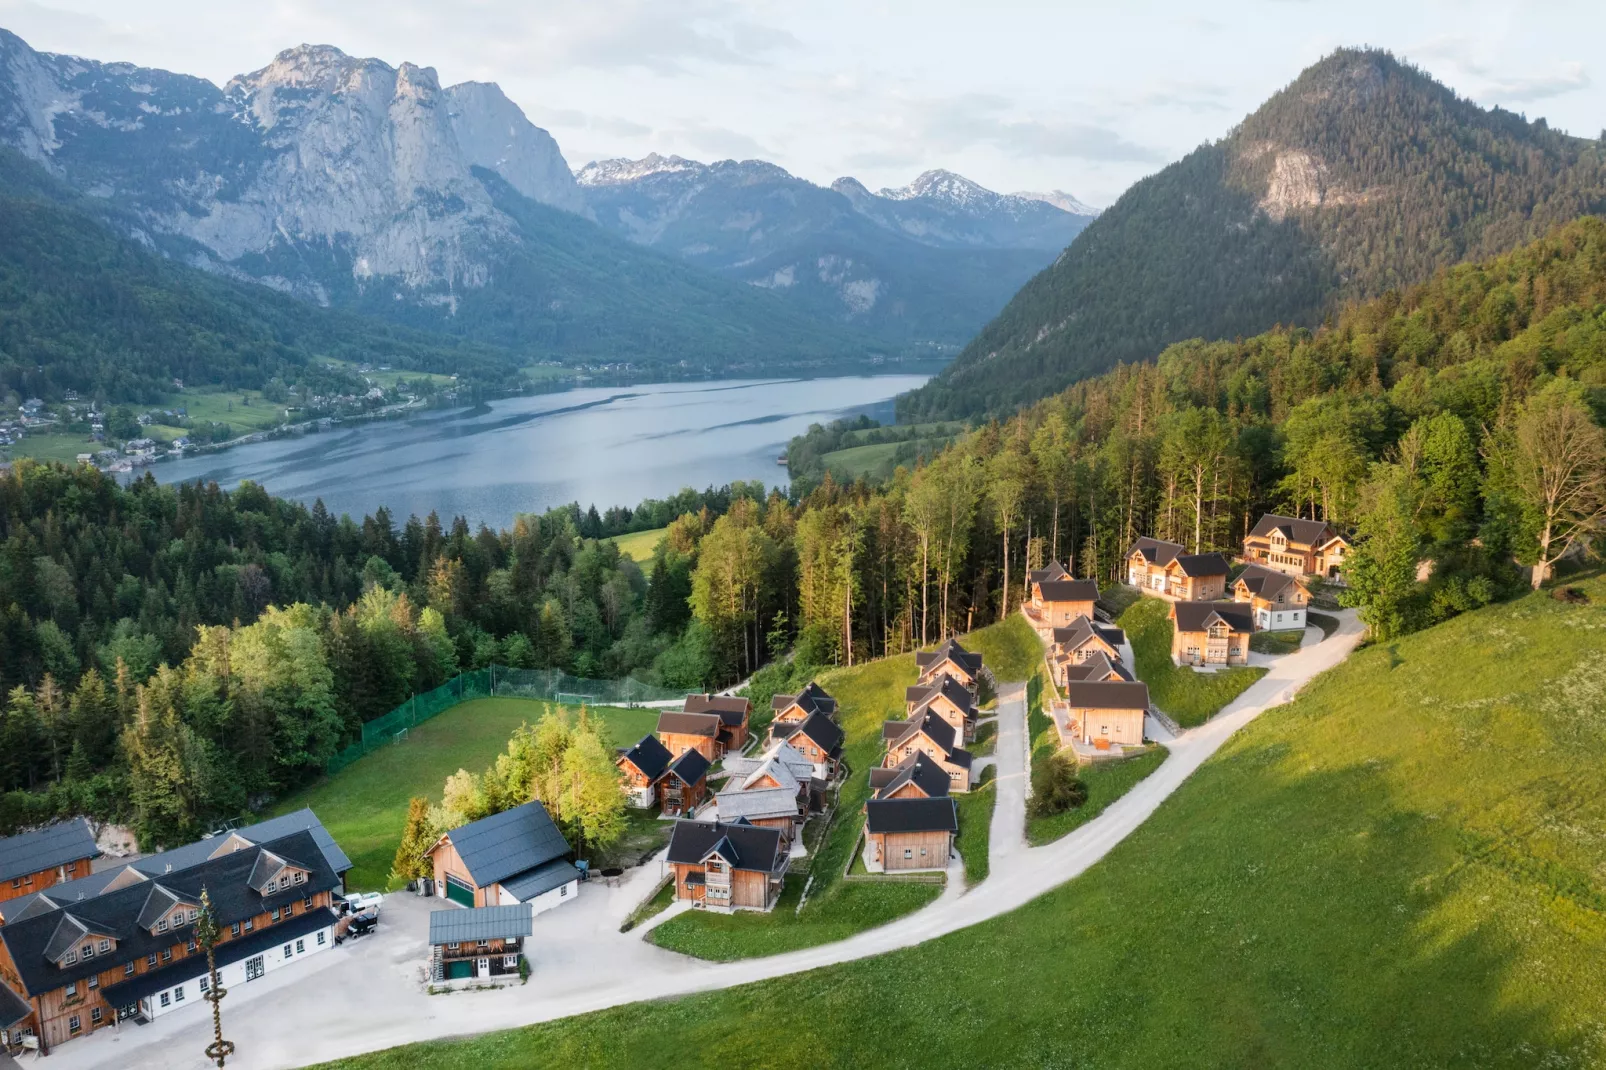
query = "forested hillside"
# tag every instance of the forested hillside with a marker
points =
(1457, 424)
(82, 308)
(1363, 175)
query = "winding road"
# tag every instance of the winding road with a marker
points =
(367, 996)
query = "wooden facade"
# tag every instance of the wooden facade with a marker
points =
(1091, 724)
(904, 851)
(919, 743)
(1277, 601)
(1296, 546)
(39, 880)
(1210, 633)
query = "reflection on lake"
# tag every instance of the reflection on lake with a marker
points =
(602, 445)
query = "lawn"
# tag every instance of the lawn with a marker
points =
(1010, 649)
(1106, 782)
(639, 545)
(1403, 867)
(364, 806)
(1283, 642)
(53, 446)
(1190, 697)
(975, 828)
(867, 696)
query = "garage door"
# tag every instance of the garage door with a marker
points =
(456, 971)
(459, 891)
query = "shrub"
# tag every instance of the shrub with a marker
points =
(1055, 786)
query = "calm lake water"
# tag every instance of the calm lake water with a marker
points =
(595, 445)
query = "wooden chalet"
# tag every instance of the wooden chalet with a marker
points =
(742, 771)
(477, 944)
(1295, 546)
(949, 700)
(1211, 633)
(727, 866)
(1277, 600)
(1102, 713)
(916, 777)
(516, 856)
(1146, 562)
(819, 739)
(788, 711)
(684, 785)
(1097, 667)
(934, 737)
(734, 715)
(33, 861)
(908, 834)
(643, 767)
(1084, 639)
(1056, 603)
(1196, 577)
(679, 732)
(952, 659)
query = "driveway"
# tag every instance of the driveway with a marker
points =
(366, 997)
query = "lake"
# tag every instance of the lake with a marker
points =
(594, 445)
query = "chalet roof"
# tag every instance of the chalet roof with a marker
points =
(915, 769)
(1197, 616)
(754, 847)
(922, 695)
(46, 848)
(1265, 582)
(116, 914)
(1107, 695)
(934, 728)
(756, 804)
(1098, 666)
(1155, 551)
(780, 752)
(459, 926)
(649, 756)
(543, 878)
(1084, 630)
(785, 775)
(1054, 571)
(1196, 565)
(822, 730)
(1070, 590)
(191, 854)
(911, 815)
(679, 723)
(507, 844)
(730, 709)
(812, 699)
(13, 1008)
(1294, 529)
(689, 768)
(949, 650)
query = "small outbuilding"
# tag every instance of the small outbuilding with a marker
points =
(515, 857)
(479, 943)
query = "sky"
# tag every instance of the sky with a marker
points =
(1085, 98)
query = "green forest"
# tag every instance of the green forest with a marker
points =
(175, 655)
(1384, 177)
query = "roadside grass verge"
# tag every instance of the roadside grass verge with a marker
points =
(364, 806)
(653, 907)
(1191, 698)
(1106, 782)
(1395, 869)
(975, 828)
(1283, 642)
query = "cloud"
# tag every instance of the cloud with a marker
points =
(955, 124)
(716, 141)
(1495, 85)
(579, 120)
(1525, 89)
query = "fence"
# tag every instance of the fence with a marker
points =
(548, 684)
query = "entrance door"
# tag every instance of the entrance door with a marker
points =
(254, 968)
(459, 891)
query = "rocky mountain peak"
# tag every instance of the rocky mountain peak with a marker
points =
(944, 186)
(618, 171)
(1065, 202)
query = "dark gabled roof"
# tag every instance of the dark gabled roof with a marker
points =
(1070, 590)
(925, 775)
(1194, 616)
(750, 847)
(688, 724)
(508, 843)
(46, 848)
(1054, 571)
(1082, 630)
(1263, 581)
(1097, 667)
(192, 967)
(1203, 565)
(1107, 695)
(911, 815)
(812, 699)
(650, 756)
(459, 926)
(543, 878)
(13, 1008)
(1308, 532)
(822, 730)
(116, 913)
(689, 768)
(1156, 551)
(949, 650)
(954, 691)
(935, 728)
(730, 709)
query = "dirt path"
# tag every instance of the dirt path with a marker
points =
(366, 998)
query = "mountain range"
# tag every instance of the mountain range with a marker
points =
(347, 182)
(1362, 176)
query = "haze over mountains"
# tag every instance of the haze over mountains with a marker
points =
(1362, 176)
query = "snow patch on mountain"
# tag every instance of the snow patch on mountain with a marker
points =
(1065, 202)
(620, 171)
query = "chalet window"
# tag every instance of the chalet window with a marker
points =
(206, 985)
(908, 852)
(250, 923)
(69, 958)
(74, 1026)
(161, 926)
(275, 915)
(306, 904)
(150, 960)
(287, 951)
(301, 947)
(234, 930)
(178, 918)
(272, 886)
(88, 951)
(94, 981)
(178, 994)
(166, 999)
(510, 961)
(563, 891)
(94, 1016)
(16, 882)
(105, 946)
(194, 914)
(289, 909)
(128, 969)
(301, 878)
(72, 990)
(485, 943)
(451, 947)
(189, 948)
(167, 954)
(321, 939)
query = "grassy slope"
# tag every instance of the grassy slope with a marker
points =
(975, 829)
(639, 545)
(1404, 867)
(1189, 697)
(1106, 782)
(868, 694)
(364, 806)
